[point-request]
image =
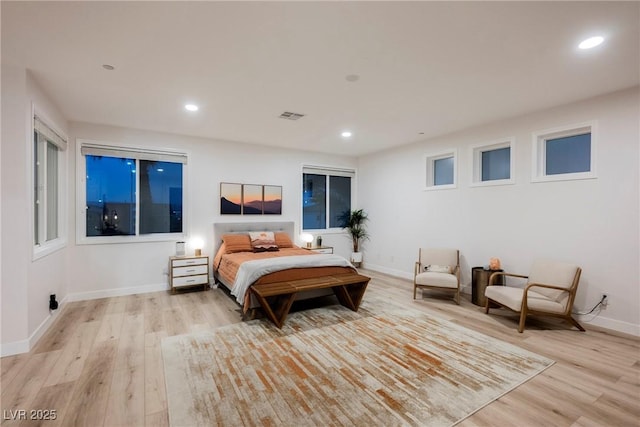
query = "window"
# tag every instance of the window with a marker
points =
(135, 193)
(564, 153)
(326, 196)
(441, 170)
(493, 163)
(569, 154)
(48, 170)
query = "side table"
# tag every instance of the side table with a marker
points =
(480, 281)
(188, 271)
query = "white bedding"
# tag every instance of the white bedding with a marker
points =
(251, 271)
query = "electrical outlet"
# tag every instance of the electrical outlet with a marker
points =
(53, 304)
(605, 299)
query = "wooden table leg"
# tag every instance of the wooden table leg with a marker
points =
(350, 295)
(278, 308)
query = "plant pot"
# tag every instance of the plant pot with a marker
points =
(356, 258)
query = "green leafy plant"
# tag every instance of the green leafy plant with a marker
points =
(354, 222)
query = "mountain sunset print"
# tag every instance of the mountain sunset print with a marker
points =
(250, 199)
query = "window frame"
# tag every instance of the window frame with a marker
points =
(81, 188)
(60, 140)
(476, 162)
(539, 139)
(429, 165)
(328, 171)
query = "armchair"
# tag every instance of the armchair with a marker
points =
(438, 269)
(550, 291)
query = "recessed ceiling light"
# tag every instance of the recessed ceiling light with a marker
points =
(108, 67)
(191, 107)
(346, 134)
(591, 42)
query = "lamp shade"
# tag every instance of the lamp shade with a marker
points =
(197, 243)
(307, 238)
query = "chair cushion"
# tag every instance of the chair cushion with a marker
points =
(554, 273)
(511, 297)
(439, 256)
(441, 280)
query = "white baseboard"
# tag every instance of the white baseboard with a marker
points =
(24, 346)
(117, 292)
(611, 324)
(390, 271)
(464, 288)
(16, 347)
(600, 321)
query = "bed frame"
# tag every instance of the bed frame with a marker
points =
(220, 228)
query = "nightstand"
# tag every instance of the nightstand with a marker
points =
(480, 281)
(185, 272)
(321, 249)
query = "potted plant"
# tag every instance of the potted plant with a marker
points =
(354, 222)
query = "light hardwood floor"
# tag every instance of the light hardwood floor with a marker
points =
(100, 363)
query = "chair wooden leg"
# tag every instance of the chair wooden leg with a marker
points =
(414, 291)
(486, 306)
(457, 297)
(575, 323)
(523, 318)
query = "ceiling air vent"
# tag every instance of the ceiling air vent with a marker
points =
(291, 116)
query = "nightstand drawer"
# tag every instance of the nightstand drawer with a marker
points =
(189, 271)
(190, 280)
(189, 261)
(323, 250)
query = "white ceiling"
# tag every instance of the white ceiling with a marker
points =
(425, 68)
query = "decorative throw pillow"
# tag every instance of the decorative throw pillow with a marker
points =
(439, 268)
(237, 243)
(263, 241)
(283, 240)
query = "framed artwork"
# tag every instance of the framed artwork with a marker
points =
(250, 199)
(230, 198)
(272, 200)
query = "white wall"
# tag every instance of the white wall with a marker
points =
(15, 201)
(594, 223)
(47, 275)
(111, 269)
(26, 282)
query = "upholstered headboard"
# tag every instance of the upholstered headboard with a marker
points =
(220, 228)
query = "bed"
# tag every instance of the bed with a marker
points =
(239, 265)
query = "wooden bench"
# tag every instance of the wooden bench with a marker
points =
(276, 298)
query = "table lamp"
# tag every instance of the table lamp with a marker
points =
(307, 238)
(197, 243)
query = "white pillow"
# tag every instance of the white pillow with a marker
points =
(439, 268)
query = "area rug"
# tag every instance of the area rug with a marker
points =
(333, 367)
